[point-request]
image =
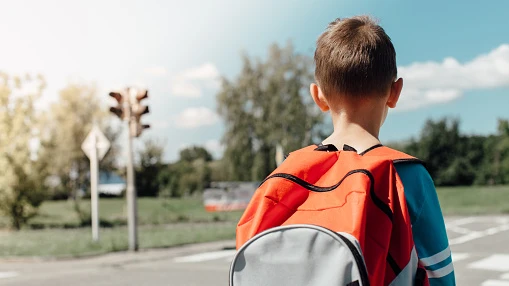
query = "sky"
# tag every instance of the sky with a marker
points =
(452, 55)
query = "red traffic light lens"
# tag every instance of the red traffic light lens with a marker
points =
(117, 96)
(117, 111)
(142, 95)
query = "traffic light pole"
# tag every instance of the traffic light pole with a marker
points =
(132, 223)
(130, 110)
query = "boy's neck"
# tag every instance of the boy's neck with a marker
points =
(358, 127)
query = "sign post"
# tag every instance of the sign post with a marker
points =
(95, 146)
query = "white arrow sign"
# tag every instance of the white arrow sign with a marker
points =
(96, 139)
(95, 146)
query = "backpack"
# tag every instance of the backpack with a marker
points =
(329, 217)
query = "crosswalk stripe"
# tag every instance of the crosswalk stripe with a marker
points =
(497, 262)
(495, 283)
(456, 256)
(478, 234)
(207, 256)
(461, 221)
(505, 276)
(9, 274)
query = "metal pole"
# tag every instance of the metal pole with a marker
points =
(94, 170)
(280, 156)
(131, 187)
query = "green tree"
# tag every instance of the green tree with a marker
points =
(195, 152)
(217, 171)
(23, 165)
(453, 158)
(67, 124)
(177, 179)
(190, 174)
(494, 168)
(501, 151)
(148, 171)
(439, 145)
(266, 105)
(449, 156)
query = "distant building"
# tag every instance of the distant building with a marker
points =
(228, 196)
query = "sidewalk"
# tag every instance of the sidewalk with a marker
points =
(127, 257)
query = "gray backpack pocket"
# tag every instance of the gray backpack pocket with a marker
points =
(298, 255)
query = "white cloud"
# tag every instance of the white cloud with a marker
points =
(415, 98)
(185, 89)
(214, 147)
(156, 71)
(192, 82)
(161, 124)
(438, 82)
(196, 117)
(206, 71)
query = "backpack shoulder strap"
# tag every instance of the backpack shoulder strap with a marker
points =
(390, 154)
(375, 152)
(402, 260)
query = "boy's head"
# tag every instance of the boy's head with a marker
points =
(355, 59)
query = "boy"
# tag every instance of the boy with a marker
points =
(356, 81)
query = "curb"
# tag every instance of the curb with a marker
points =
(123, 257)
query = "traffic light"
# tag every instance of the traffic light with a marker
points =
(137, 110)
(137, 129)
(119, 109)
(130, 108)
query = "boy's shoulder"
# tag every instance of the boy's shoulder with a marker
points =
(378, 151)
(398, 157)
(319, 158)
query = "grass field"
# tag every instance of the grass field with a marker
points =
(113, 212)
(155, 211)
(474, 200)
(78, 242)
(56, 231)
(170, 222)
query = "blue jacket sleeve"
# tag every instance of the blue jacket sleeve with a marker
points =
(428, 227)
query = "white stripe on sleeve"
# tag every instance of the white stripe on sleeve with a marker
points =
(444, 271)
(437, 258)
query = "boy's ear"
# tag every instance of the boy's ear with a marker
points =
(318, 97)
(395, 92)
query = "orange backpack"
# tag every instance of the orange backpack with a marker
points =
(358, 194)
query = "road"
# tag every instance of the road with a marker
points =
(479, 245)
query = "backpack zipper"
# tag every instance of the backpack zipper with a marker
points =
(358, 259)
(378, 202)
(312, 187)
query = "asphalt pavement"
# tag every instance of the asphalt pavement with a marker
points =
(479, 246)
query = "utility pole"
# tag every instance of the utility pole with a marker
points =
(280, 156)
(132, 210)
(130, 111)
